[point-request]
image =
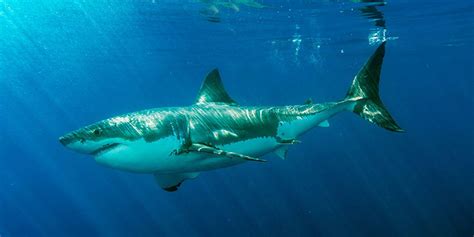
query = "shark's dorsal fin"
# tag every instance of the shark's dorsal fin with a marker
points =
(212, 90)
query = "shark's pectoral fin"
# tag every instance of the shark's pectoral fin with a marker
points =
(203, 148)
(171, 182)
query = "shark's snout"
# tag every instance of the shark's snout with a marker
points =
(67, 139)
(63, 140)
(76, 142)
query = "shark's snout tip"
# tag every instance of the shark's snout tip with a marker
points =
(63, 140)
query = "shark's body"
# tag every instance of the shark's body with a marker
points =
(177, 143)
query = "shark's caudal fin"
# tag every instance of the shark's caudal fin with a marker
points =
(365, 91)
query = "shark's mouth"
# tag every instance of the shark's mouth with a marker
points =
(105, 148)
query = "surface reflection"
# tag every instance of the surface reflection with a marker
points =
(213, 8)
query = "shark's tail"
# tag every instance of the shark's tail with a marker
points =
(364, 92)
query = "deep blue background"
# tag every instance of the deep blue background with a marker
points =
(65, 64)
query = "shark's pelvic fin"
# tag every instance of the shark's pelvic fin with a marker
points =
(364, 92)
(212, 90)
(171, 182)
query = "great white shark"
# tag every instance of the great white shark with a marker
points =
(177, 143)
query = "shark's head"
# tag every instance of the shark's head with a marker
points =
(122, 142)
(95, 139)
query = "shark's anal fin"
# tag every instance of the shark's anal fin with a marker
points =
(203, 148)
(171, 182)
(282, 152)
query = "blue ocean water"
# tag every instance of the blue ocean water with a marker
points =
(67, 63)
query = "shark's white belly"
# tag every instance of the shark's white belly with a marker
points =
(156, 157)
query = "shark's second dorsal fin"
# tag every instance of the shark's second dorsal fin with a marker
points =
(212, 90)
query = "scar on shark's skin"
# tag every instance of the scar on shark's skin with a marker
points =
(177, 143)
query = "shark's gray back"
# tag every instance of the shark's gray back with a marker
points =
(215, 119)
(214, 124)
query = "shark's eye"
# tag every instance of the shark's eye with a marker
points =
(97, 132)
